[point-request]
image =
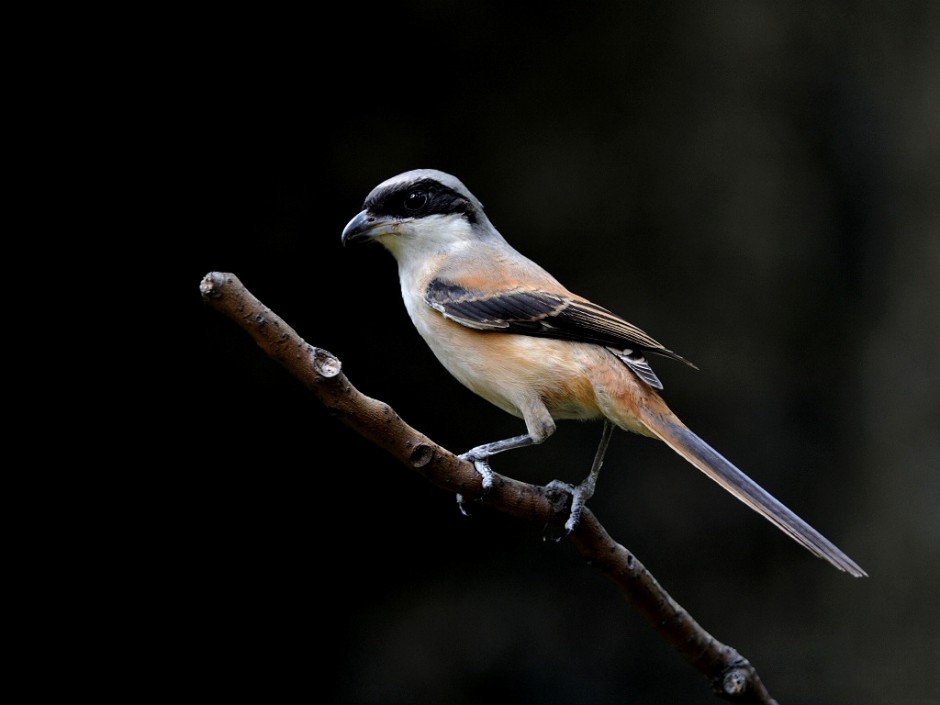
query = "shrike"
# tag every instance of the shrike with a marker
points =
(509, 331)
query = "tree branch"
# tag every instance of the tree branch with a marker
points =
(731, 676)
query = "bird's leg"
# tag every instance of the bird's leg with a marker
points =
(478, 456)
(581, 493)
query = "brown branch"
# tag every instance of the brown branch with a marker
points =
(732, 677)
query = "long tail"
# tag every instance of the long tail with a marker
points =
(677, 436)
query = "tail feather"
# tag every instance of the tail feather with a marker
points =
(682, 440)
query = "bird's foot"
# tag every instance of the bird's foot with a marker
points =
(483, 468)
(579, 494)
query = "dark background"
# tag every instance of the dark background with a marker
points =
(753, 183)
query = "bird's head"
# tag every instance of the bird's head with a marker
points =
(423, 210)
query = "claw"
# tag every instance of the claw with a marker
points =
(579, 494)
(486, 475)
(551, 533)
(482, 467)
(462, 505)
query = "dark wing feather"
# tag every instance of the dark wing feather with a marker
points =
(549, 315)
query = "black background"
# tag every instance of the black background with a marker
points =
(754, 184)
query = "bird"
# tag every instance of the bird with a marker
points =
(513, 334)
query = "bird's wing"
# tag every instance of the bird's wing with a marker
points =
(548, 314)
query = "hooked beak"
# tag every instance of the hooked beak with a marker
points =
(364, 226)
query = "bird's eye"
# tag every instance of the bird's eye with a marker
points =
(416, 200)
